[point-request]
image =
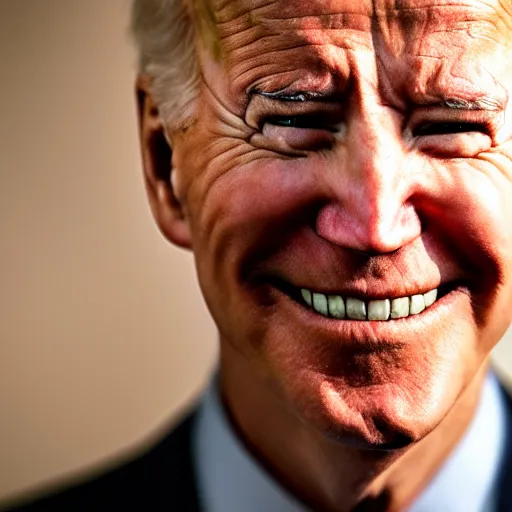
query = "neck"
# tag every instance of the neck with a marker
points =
(326, 474)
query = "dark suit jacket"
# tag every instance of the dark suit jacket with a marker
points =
(162, 479)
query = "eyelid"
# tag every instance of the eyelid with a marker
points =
(449, 128)
(308, 122)
(488, 120)
(261, 108)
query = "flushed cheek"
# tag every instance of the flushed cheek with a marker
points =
(472, 218)
(483, 206)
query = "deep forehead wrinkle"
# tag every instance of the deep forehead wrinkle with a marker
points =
(227, 10)
(271, 44)
(383, 7)
(220, 18)
(253, 11)
(481, 18)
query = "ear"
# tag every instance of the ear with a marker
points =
(157, 163)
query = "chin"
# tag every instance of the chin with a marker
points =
(385, 416)
(376, 390)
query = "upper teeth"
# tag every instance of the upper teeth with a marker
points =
(356, 309)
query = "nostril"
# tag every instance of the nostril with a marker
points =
(372, 253)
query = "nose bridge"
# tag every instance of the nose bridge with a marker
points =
(375, 167)
(371, 212)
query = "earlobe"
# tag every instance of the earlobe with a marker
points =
(158, 172)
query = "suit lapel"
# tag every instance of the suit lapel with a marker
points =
(173, 484)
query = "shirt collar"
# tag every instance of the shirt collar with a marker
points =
(230, 479)
(467, 480)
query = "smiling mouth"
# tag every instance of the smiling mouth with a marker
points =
(340, 307)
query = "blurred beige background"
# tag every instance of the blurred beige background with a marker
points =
(103, 330)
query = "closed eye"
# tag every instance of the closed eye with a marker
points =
(311, 122)
(448, 128)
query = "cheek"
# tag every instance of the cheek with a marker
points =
(240, 220)
(251, 204)
(476, 225)
(482, 212)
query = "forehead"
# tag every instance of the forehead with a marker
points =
(323, 38)
(250, 10)
(492, 15)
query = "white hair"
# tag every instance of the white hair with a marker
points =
(165, 36)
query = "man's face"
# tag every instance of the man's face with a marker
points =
(355, 150)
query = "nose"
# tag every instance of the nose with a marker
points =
(370, 208)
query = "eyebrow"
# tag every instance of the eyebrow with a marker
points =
(488, 103)
(299, 96)
(454, 103)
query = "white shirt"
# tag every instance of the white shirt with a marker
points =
(230, 479)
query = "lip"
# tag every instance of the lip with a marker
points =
(372, 334)
(293, 291)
